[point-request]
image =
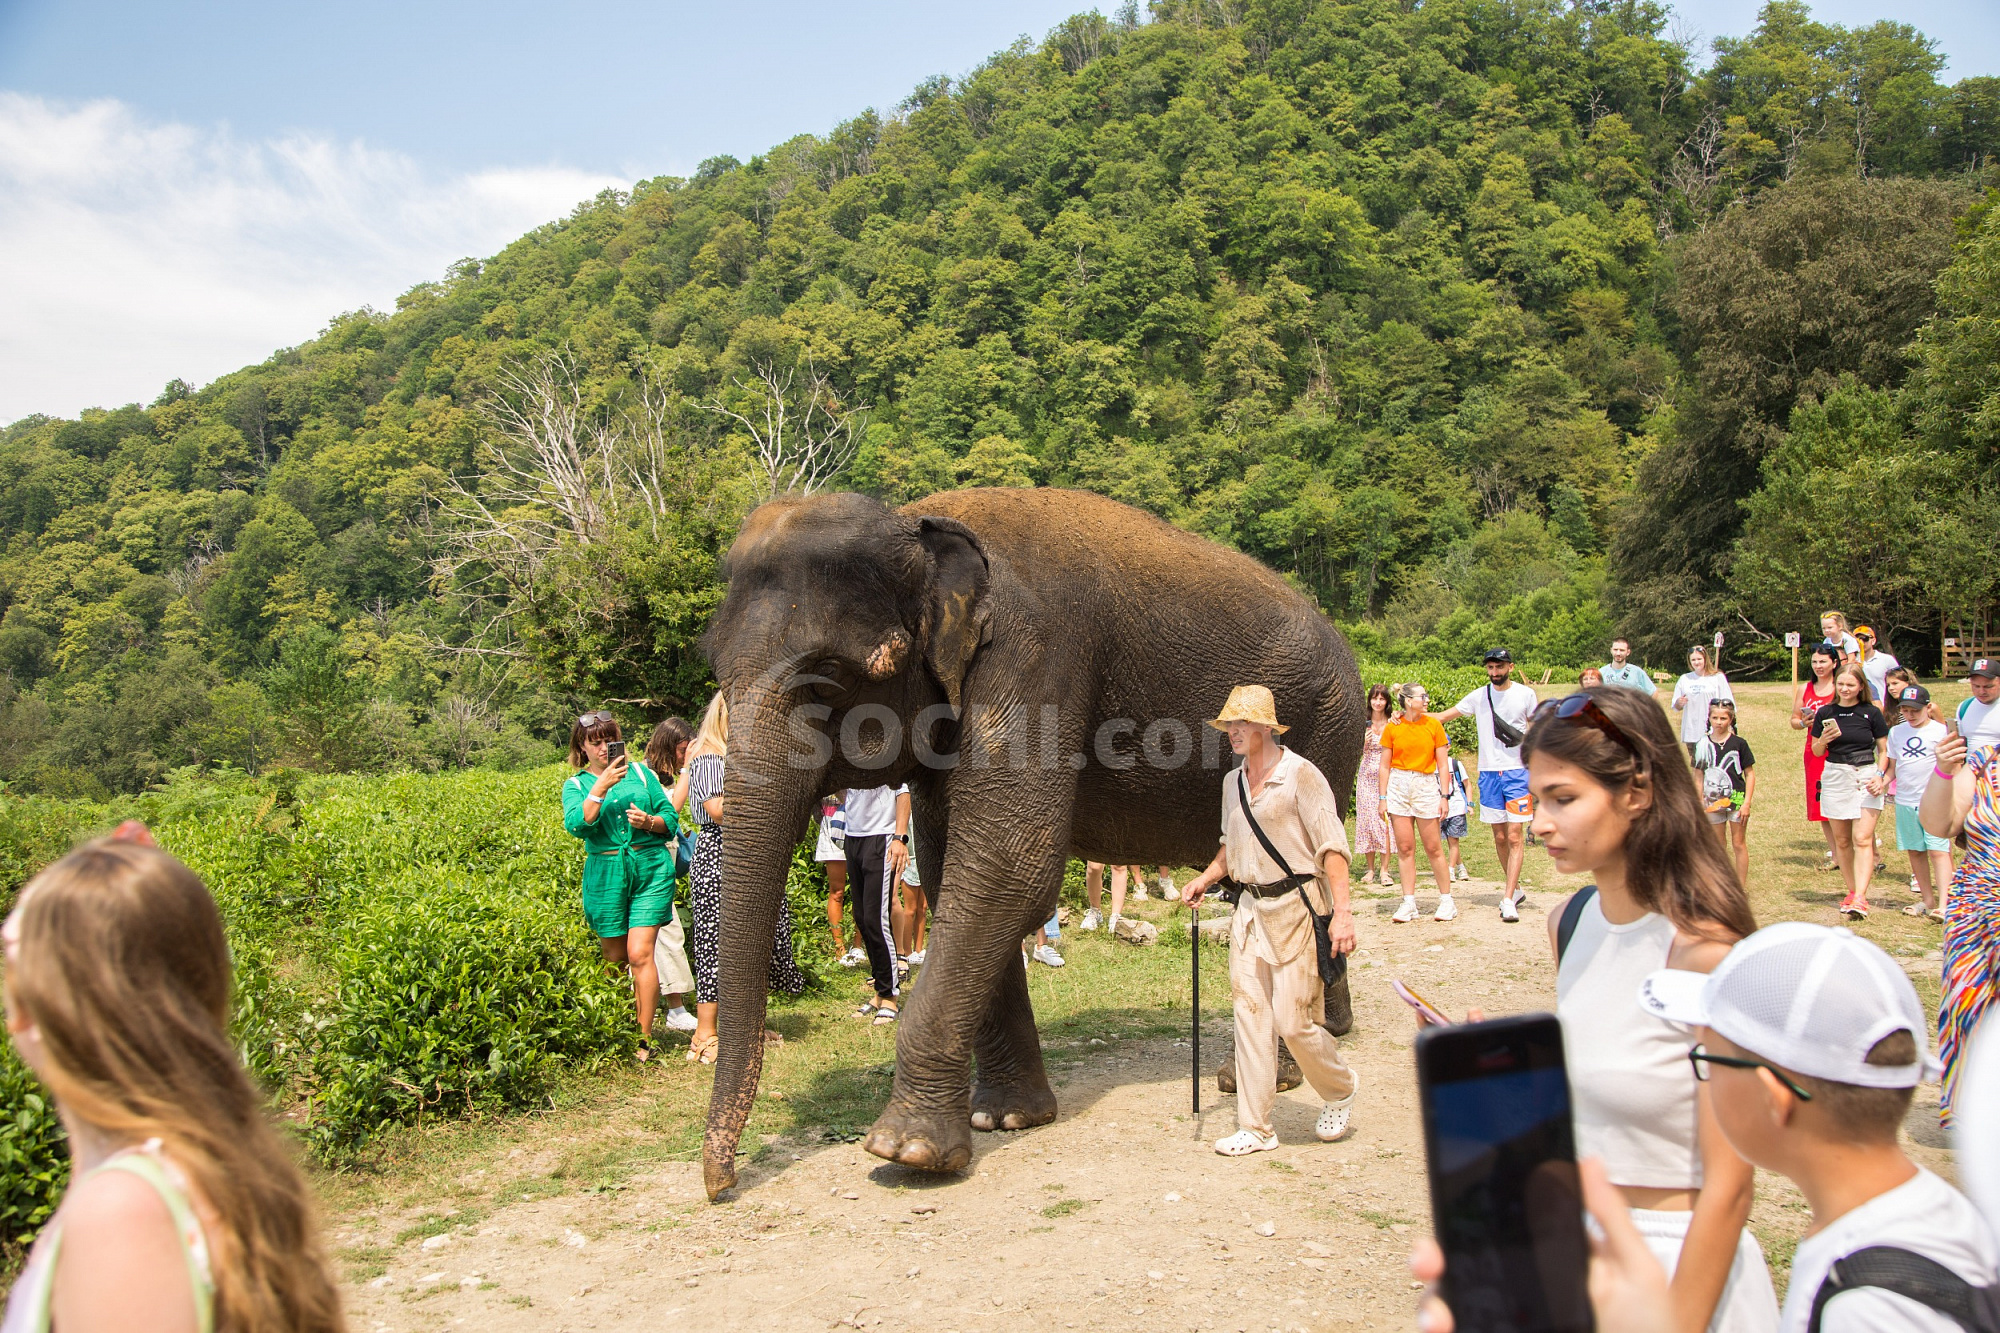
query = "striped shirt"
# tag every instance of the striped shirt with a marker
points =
(704, 784)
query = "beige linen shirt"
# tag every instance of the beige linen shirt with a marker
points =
(1295, 808)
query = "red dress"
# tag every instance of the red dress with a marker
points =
(1813, 700)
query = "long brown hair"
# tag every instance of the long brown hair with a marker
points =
(1673, 863)
(1380, 691)
(663, 746)
(124, 970)
(602, 726)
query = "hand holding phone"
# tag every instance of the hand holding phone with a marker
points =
(1428, 1014)
(614, 751)
(1506, 1203)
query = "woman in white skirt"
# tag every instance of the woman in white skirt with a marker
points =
(1613, 800)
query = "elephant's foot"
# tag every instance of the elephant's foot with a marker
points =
(1289, 1073)
(920, 1139)
(1012, 1106)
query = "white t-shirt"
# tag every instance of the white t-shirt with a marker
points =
(1877, 669)
(872, 810)
(1515, 704)
(1694, 694)
(1913, 750)
(1923, 1215)
(1848, 644)
(1979, 723)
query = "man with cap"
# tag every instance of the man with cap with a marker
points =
(1284, 849)
(1979, 716)
(1503, 778)
(1913, 743)
(1875, 664)
(1812, 1043)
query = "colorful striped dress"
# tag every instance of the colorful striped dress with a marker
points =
(1972, 926)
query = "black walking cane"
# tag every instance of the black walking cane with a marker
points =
(1194, 1008)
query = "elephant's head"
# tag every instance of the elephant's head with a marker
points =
(846, 630)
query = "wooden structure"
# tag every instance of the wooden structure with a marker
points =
(1963, 643)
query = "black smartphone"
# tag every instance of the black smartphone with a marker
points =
(614, 752)
(1505, 1199)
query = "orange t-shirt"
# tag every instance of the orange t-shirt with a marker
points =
(1414, 745)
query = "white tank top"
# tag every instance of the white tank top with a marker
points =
(1631, 1088)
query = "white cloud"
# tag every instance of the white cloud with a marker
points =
(133, 252)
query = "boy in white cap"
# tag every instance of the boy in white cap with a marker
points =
(1812, 1044)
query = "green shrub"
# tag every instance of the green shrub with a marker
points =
(34, 1154)
(457, 996)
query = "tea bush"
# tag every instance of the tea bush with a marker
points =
(34, 1156)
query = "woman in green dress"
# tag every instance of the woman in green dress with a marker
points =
(604, 804)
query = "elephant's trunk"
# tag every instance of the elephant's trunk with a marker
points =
(766, 802)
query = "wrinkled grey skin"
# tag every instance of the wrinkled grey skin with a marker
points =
(1041, 614)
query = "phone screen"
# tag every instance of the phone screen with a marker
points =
(1505, 1201)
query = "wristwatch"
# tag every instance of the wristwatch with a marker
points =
(903, 838)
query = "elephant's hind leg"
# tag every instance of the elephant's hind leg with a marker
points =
(1011, 1087)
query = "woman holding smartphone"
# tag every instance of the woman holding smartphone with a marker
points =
(1852, 736)
(1613, 801)
(603, 804)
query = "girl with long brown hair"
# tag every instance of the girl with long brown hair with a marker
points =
(1811, 696)
(1372, 837)
(184, 1211)
(1852, 736)
(1614, 800)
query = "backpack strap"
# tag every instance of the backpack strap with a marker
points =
(1914, 1277)
(1571, 914)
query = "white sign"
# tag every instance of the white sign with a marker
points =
(1718, 638)
(1951, 643)
(1792, 639)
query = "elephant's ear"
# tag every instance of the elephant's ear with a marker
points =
(956, 614)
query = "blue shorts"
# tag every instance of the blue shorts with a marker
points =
(1503, 797)
(1911, 836)
(1453, 826)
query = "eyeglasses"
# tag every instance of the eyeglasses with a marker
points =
(1698, 1056)
(1865, 638)
(1583, 710)
(592, 719)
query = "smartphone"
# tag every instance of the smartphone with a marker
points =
(1427, 1013)
(1506, 1203)
(614, 752)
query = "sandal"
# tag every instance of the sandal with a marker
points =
(1936, 914)
(645, 1051)
(868, 1009)
(704, 1050)
(1916, 910)
(884, 1016)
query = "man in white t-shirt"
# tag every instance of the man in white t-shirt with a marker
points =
(1812, 1045)
(1503, 778)
(878, 847)
(1621, 671)
(1913, 746)
(1875, 665)
(1979, 716)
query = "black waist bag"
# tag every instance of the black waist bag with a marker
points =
(1332, 966)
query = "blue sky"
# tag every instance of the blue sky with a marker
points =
(184, 188)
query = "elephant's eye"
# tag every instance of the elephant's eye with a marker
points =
(829, 679)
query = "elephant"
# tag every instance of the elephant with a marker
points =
(1038, 665)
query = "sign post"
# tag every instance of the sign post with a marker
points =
(1792, 642)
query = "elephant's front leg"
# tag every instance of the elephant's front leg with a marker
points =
(973, 995)
(1012, 1090)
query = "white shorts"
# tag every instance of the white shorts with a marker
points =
(828, 849)
(1841, 793)
(1749, 1303)
(1414, 794)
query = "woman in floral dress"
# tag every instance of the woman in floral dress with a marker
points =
(1371, 829)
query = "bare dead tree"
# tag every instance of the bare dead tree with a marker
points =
(805, 437)
(1697, 169)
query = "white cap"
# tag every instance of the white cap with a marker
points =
(1811, 999)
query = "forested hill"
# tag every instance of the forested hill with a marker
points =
(1400, 298)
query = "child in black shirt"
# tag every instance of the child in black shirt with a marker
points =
(1727, 772)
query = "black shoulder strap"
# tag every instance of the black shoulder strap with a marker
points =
(1571, 914)
(1243, 796)
(1907, 1274)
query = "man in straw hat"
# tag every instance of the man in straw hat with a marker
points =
(1273, 960)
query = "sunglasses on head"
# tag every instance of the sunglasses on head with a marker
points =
(1583, 710)
(1865, 638)
(592, 719)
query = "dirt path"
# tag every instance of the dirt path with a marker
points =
(1118, 1215)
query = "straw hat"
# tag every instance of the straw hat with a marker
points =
(1249, 703)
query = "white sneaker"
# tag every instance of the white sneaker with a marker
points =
(917, 959)
(1111, 924)
(1139, 890)
(1461, 874)
(1915, 888)
(1167, 890)
(1508, 912)
(1406, 913)
(1092, 920)
(679, 1019)
(1447, 909)
(1333, 1119)
(1242, 1143)
(854, 957)
(1046, 953)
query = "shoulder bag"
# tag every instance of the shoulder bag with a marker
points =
(1332, 966)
